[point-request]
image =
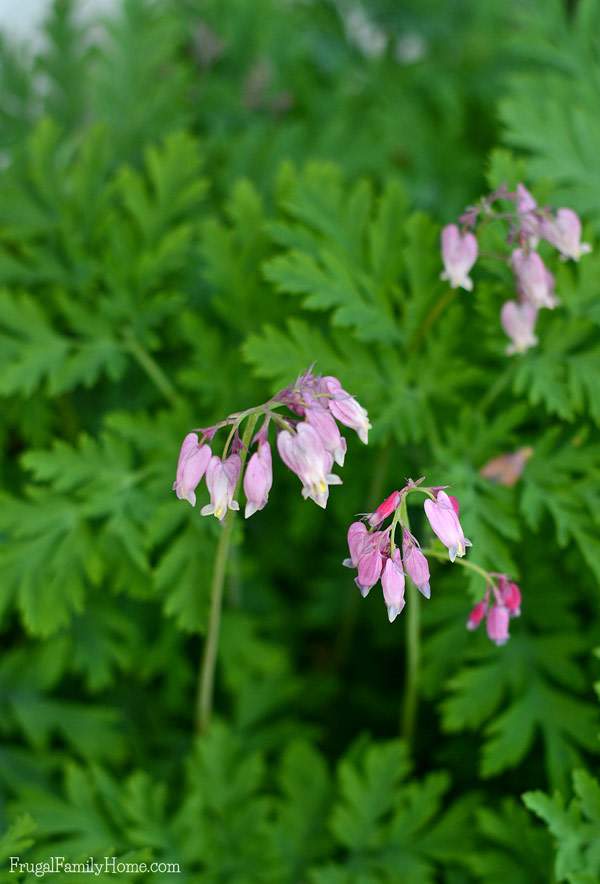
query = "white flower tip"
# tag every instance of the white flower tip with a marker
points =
(466, 284)
(364, 590)
(393, 612)
(471, 626)
(425, 590)
(452, 552)
(348, 563)
(207, 510)
(251, 508)
(234, 505)
(500, 642)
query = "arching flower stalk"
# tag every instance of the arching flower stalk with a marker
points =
(392, 554)
(309, 442)
(306, 415)
(527, 225)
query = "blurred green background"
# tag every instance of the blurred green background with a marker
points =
(198, 200)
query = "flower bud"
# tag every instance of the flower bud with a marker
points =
(415, 564)
(191, 466)
(385, 509)
(446, 525)
(258, 479)
(357, 539)
(369, 570)
(345, 408)
(392, 581)
(459, 253)
(534, 281)
(477, 615)
(497, 624)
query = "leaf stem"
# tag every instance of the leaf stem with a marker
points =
(206, 677)
(464, 563)
(152, 369)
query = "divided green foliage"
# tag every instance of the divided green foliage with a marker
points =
(550, 111)
(575, 827)
(524, 692)
(375, 273)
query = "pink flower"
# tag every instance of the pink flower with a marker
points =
(357, 539)
(507, 469)
(327, 429)
(534, 281)
(518, 321)
(385, 509)
(446, 525)
(459, 253)
(497, 624)
(415, 564)
(564, 233)
(526, 207)
(191, 466)
(345, 408)
(221, 479)
(258, 479)
(304, 454)
(392, 581)
(510, 594)
(477, 615)
(369, 569)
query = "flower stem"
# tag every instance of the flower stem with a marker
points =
(442, 555)
(152, 369)
(413, 639)
(206, 678)
(413, 654)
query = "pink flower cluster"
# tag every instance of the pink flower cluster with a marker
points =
(499, 604)
(528, 224)
(375, 555)
(308, 447)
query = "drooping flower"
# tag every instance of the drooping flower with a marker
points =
(535, 283)
(384, 509)
(258, 479)
(191, 466)
(529, 221)
(415, 564)
(304, 454)
(477, 614)
(357, 537)
(392, 582)
(459, 253)
(345, 408)
(446, 525)
(327, 429)
(497, 624)
(510, 595)
(221, 478)
(369, 569)
(518, 321)
(564, 233)
(508, 468)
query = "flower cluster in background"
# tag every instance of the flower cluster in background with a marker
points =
(377, 557)
(309, 446)
(527, 226)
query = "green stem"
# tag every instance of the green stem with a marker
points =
(413, 637)
(152, 369)
(413, 654)
(206, 678)
(464, 563)
(502, 381)
(438, 308)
